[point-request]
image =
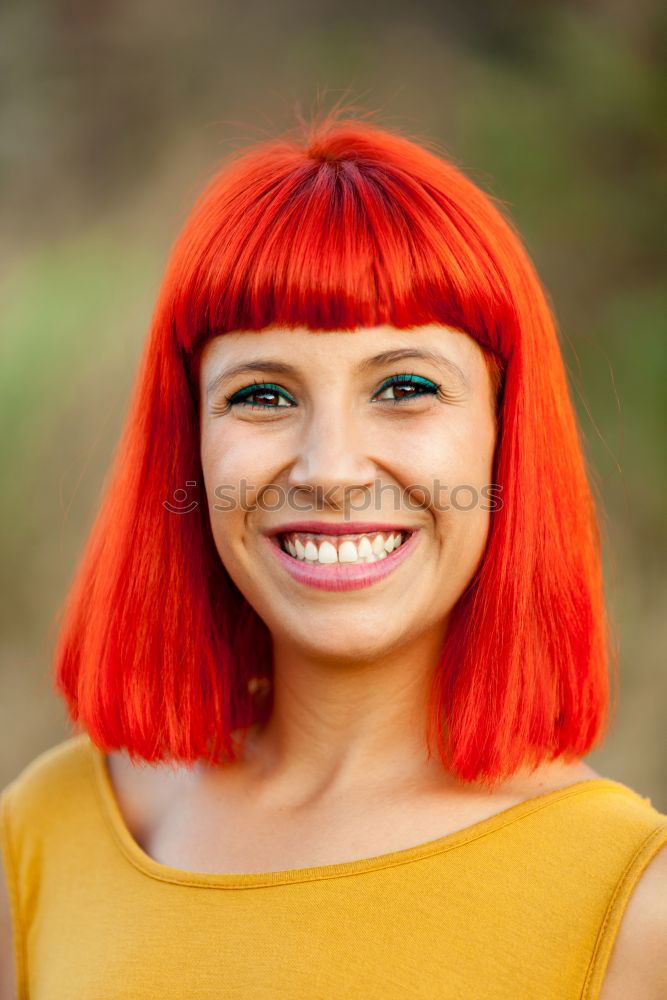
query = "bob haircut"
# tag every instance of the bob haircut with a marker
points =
(340, 225)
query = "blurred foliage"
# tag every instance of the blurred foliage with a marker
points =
(113, 115)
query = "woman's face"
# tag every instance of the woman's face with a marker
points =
(365, 444)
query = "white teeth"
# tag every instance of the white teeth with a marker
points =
(327, 553)
(368, 549)
(311, 551)
(365, 548)
(378, 544)
(348, 550)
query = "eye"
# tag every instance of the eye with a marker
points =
(268, 396)
(407, 386)
(273, 397)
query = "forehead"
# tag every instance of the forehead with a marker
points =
(309, 350)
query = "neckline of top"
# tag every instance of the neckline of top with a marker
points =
(166, 873)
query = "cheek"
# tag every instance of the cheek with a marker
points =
(452, 454)
(465, 524)
(455, 462)
(235, 466)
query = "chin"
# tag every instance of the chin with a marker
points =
(340, 644)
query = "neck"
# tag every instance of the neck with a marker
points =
(338, 726)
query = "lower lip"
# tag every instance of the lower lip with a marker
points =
(342, 576)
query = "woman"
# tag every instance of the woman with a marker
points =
(336, 648)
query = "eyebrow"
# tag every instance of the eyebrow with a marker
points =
(384, 358)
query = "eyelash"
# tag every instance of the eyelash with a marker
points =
(239, 397)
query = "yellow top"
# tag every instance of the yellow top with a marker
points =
(524, 904)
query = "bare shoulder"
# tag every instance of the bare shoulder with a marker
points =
(135, 789)
(549, 777)
(143, 792)
(583, 772)
(637, 966)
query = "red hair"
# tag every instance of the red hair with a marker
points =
(341, 226)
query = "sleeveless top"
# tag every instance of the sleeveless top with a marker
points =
(524, 904)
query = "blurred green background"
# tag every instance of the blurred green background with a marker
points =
(113, 116)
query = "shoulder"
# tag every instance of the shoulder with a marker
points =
(43, 791)
(22, 805)
(632, 941)
(8, 986)
(32, 804)
(60, 757)
(638, 963)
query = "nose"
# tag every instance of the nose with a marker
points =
(332, 455)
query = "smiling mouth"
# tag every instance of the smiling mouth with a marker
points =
(313, 548)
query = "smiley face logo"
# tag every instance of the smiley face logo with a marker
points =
(180, 496)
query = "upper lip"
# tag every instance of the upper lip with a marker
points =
(325, 528)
